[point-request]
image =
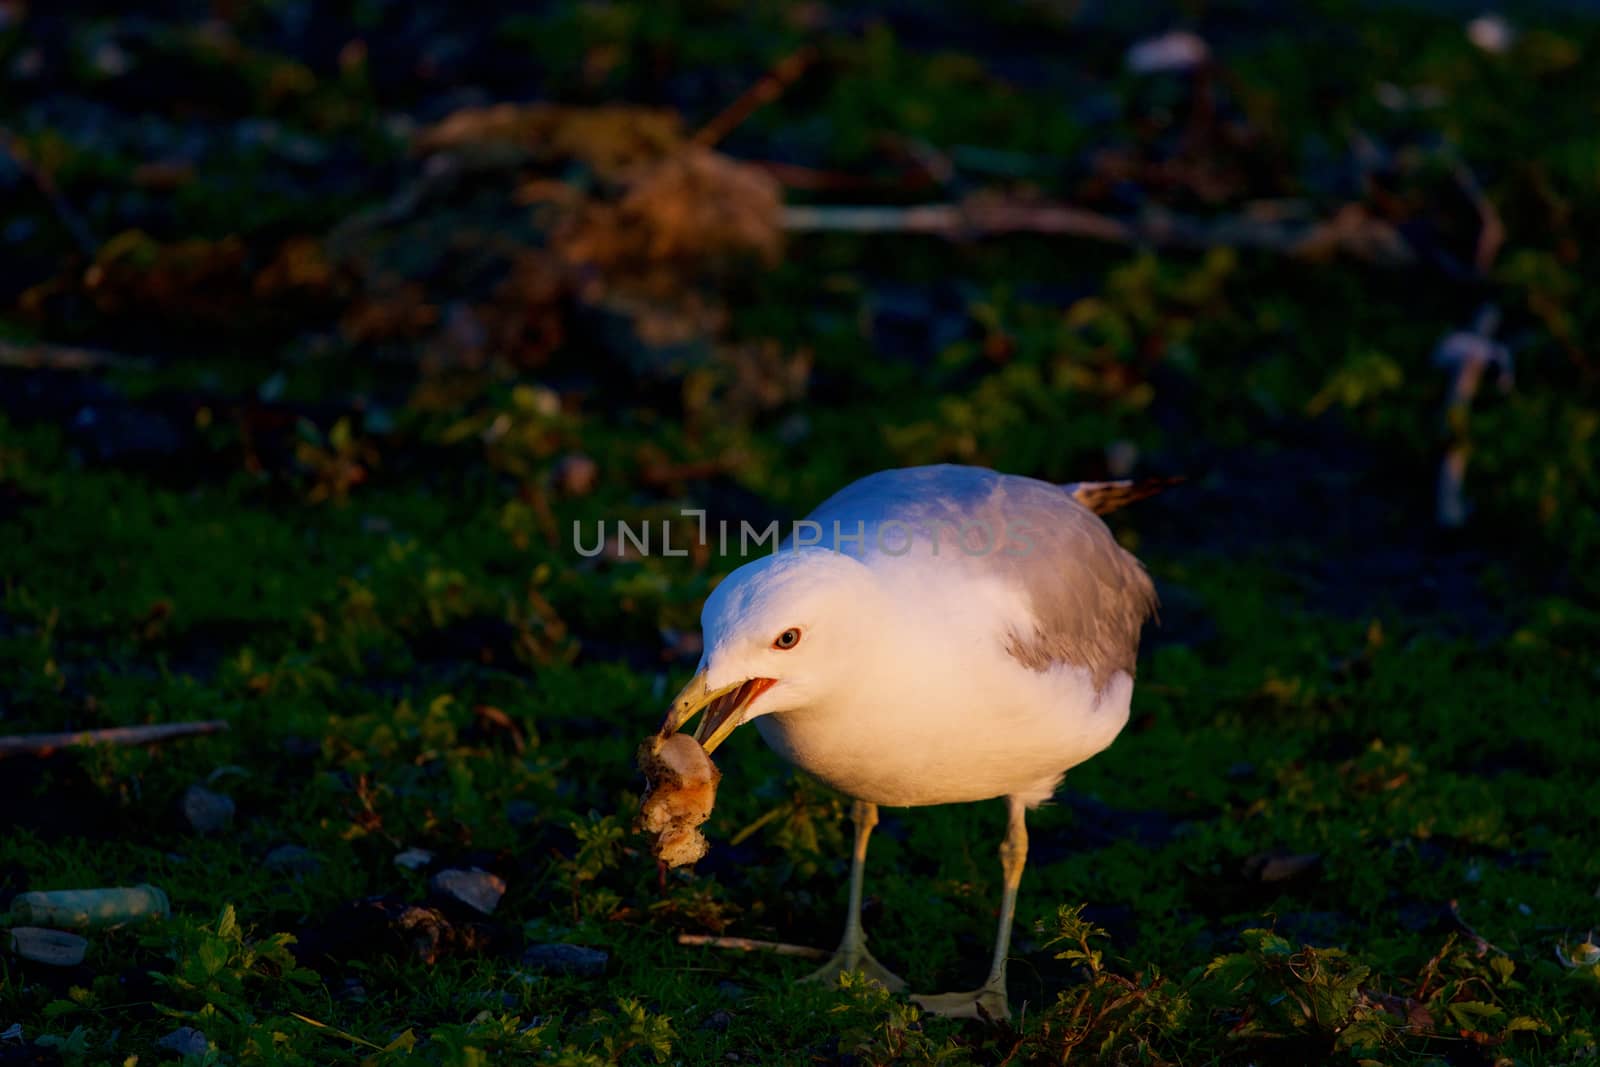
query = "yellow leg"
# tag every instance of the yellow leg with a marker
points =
(852, 954)
(990, 1000)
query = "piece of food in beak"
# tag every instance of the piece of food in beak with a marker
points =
(682, 791)
(679, 848)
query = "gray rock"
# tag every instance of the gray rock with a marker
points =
(559, 958)
(55, 948)
(292, 859)
(429, 932)
(477, 889)
(185, 1041)
(207, 812)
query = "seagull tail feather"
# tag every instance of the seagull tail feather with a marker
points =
(1103, 497)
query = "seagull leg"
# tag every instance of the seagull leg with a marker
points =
(990, 1000)
(852, 954)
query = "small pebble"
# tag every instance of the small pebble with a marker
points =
(54, 948)
(28, 65)
(576, 474)
(1269, 868)
(1121, 457)
(1170, 52)
(477, 889)
(794, 430)
(292, 859)
(413, 859)
(185, 1041)
(352, 990)
(206, 811)
(566, 959)
(521, 812)
(1492, 33)
(110, 60)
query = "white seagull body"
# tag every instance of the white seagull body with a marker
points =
(949, 634)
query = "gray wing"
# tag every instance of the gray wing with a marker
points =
(1089, 596)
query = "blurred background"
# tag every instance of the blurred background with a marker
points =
(324, 326)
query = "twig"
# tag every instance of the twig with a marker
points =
(440, 173)
(664, 473)
(744, 835)
(1450, 495)
(771, 86)
(1479, 942)
(1469, 354)
(746, 944)
(933, 166)
(1351, 230)
(47, 186)
(64, 358)
(811, 179)
(1491, 230)
(45, 744)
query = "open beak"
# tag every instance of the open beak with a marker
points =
(724, 708)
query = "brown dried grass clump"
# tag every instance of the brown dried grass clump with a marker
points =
(609, 210)
(195, 279)
(608, 140)
(695, 208)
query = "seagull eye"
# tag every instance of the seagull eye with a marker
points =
(788, 639)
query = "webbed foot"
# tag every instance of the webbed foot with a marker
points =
(857, 959)
(987, 1003)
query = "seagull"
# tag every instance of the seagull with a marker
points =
(931, 635)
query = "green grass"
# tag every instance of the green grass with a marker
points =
(1351, 819)
(1420, 771)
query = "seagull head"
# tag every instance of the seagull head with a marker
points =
(779, 635)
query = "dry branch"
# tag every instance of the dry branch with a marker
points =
(746, 944)
(46, 744)
(1351, 231)
(1480, 944)
(1491, 230)
(63, 358)
(772, 84)
(47, 187)
(1469, 355)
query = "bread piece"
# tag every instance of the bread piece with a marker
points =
(682, 791)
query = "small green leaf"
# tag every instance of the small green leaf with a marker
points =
(1503, 968)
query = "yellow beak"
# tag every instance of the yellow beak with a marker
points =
(723, 708)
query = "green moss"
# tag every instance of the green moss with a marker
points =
(420, 660)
